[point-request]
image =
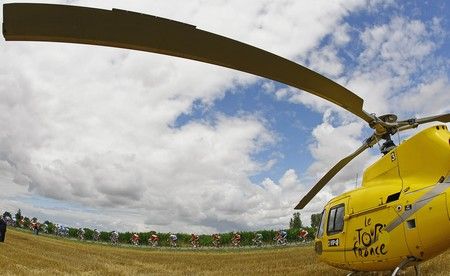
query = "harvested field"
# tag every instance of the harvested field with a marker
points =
(25, 254)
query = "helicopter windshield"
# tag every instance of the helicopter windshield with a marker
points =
(321, 225)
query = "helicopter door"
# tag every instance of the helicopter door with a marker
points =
(334, 244)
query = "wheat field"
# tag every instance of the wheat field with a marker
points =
(27, 254)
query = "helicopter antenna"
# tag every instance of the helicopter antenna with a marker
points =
(398, 137)
(378, 143)
(356, 181)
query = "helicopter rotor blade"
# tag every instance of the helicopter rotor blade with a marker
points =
(413, 123)
(444, 118)
(124, 29)
(333, 171)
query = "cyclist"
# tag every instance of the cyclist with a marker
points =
(282, 237)
(236, 240)
(80, 234)
(257, 240)
(96, 235)
(114, 237)
(173, 240)
(135, 239)
(195, 240)
(153, 240)
(216, 240)
(302, 235)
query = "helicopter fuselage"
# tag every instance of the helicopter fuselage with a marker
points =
(401, 210)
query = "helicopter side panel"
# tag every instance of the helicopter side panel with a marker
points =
(367, 199)
(434, 228)
(372, 248)
(424, 216)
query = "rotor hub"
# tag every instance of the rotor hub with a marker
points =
(388, 118)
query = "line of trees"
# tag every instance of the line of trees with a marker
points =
(184, 239)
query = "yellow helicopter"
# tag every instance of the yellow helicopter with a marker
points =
(399, 217)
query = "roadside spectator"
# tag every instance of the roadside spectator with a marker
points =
(36, 226)
(2, 229)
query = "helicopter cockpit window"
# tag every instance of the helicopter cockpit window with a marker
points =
(336, 219)
(321, 225)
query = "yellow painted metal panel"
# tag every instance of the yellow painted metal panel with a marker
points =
(425, 158)
(434, 227)
(383, 172)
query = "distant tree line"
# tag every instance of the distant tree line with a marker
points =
(183, 239)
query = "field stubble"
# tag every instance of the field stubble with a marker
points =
(25, 254)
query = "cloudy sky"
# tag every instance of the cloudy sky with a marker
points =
(126, 140)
